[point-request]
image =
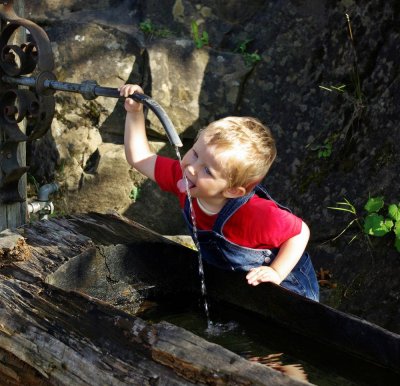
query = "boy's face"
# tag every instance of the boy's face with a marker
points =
(203, 171)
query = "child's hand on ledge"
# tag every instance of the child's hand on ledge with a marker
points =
(263, 274)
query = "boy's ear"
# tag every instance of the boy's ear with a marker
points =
(234, 192)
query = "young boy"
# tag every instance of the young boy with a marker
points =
(239, 226)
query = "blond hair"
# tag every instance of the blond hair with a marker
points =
(245, 148)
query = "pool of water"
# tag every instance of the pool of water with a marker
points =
(256, 339)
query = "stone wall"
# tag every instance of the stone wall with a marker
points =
(290, 63)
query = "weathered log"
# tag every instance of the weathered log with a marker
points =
(12, 247)
(53, 335)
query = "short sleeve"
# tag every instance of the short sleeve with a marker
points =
(167, 172)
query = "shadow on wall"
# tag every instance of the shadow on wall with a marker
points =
(203, 85)
(152, 207)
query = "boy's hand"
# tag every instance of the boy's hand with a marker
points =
(130, 105)
(263, 274)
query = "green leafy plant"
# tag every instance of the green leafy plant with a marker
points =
(325, 150)
(351, 93)
(250, 58)
(357, 96)
(32, 181)
(355, 73)
(379, 220)
(134, 193)
(347, 206)
(382, 220)
(148, 28)
(200, 40)
(57, 214)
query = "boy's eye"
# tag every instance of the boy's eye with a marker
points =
(194, 153)
(207, 170)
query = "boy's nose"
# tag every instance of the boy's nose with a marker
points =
(191, 169)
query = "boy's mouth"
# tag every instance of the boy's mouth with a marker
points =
(181, 184)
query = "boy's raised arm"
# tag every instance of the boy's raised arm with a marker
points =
(137, 149)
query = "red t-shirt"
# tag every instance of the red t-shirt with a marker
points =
(258, 224)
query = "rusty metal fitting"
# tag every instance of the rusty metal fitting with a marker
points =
(87, 89)
(41, 83)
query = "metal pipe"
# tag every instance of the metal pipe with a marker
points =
(91, 90)
(43, 206)
(46, 190)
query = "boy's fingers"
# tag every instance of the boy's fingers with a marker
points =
(254, 282)
(253, 272)
(127, 90)
(252, 276)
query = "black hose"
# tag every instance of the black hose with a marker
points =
(91, 90)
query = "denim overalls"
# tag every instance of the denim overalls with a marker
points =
(218, 251)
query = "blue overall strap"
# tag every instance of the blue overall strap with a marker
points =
(229, 209)
(261, 191)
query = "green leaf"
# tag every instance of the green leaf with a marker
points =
(325, 150)
(325, 88)
(374, 204)
(394, 212)
(146, 27)
(134, 194)
(346, 207)
(388, 224)
(339, 88)
(396, 229)
(199, 41)
(376, 225)
(195, 30)
(397, 244)
(343, 209)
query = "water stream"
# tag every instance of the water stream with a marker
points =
(196, 242)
